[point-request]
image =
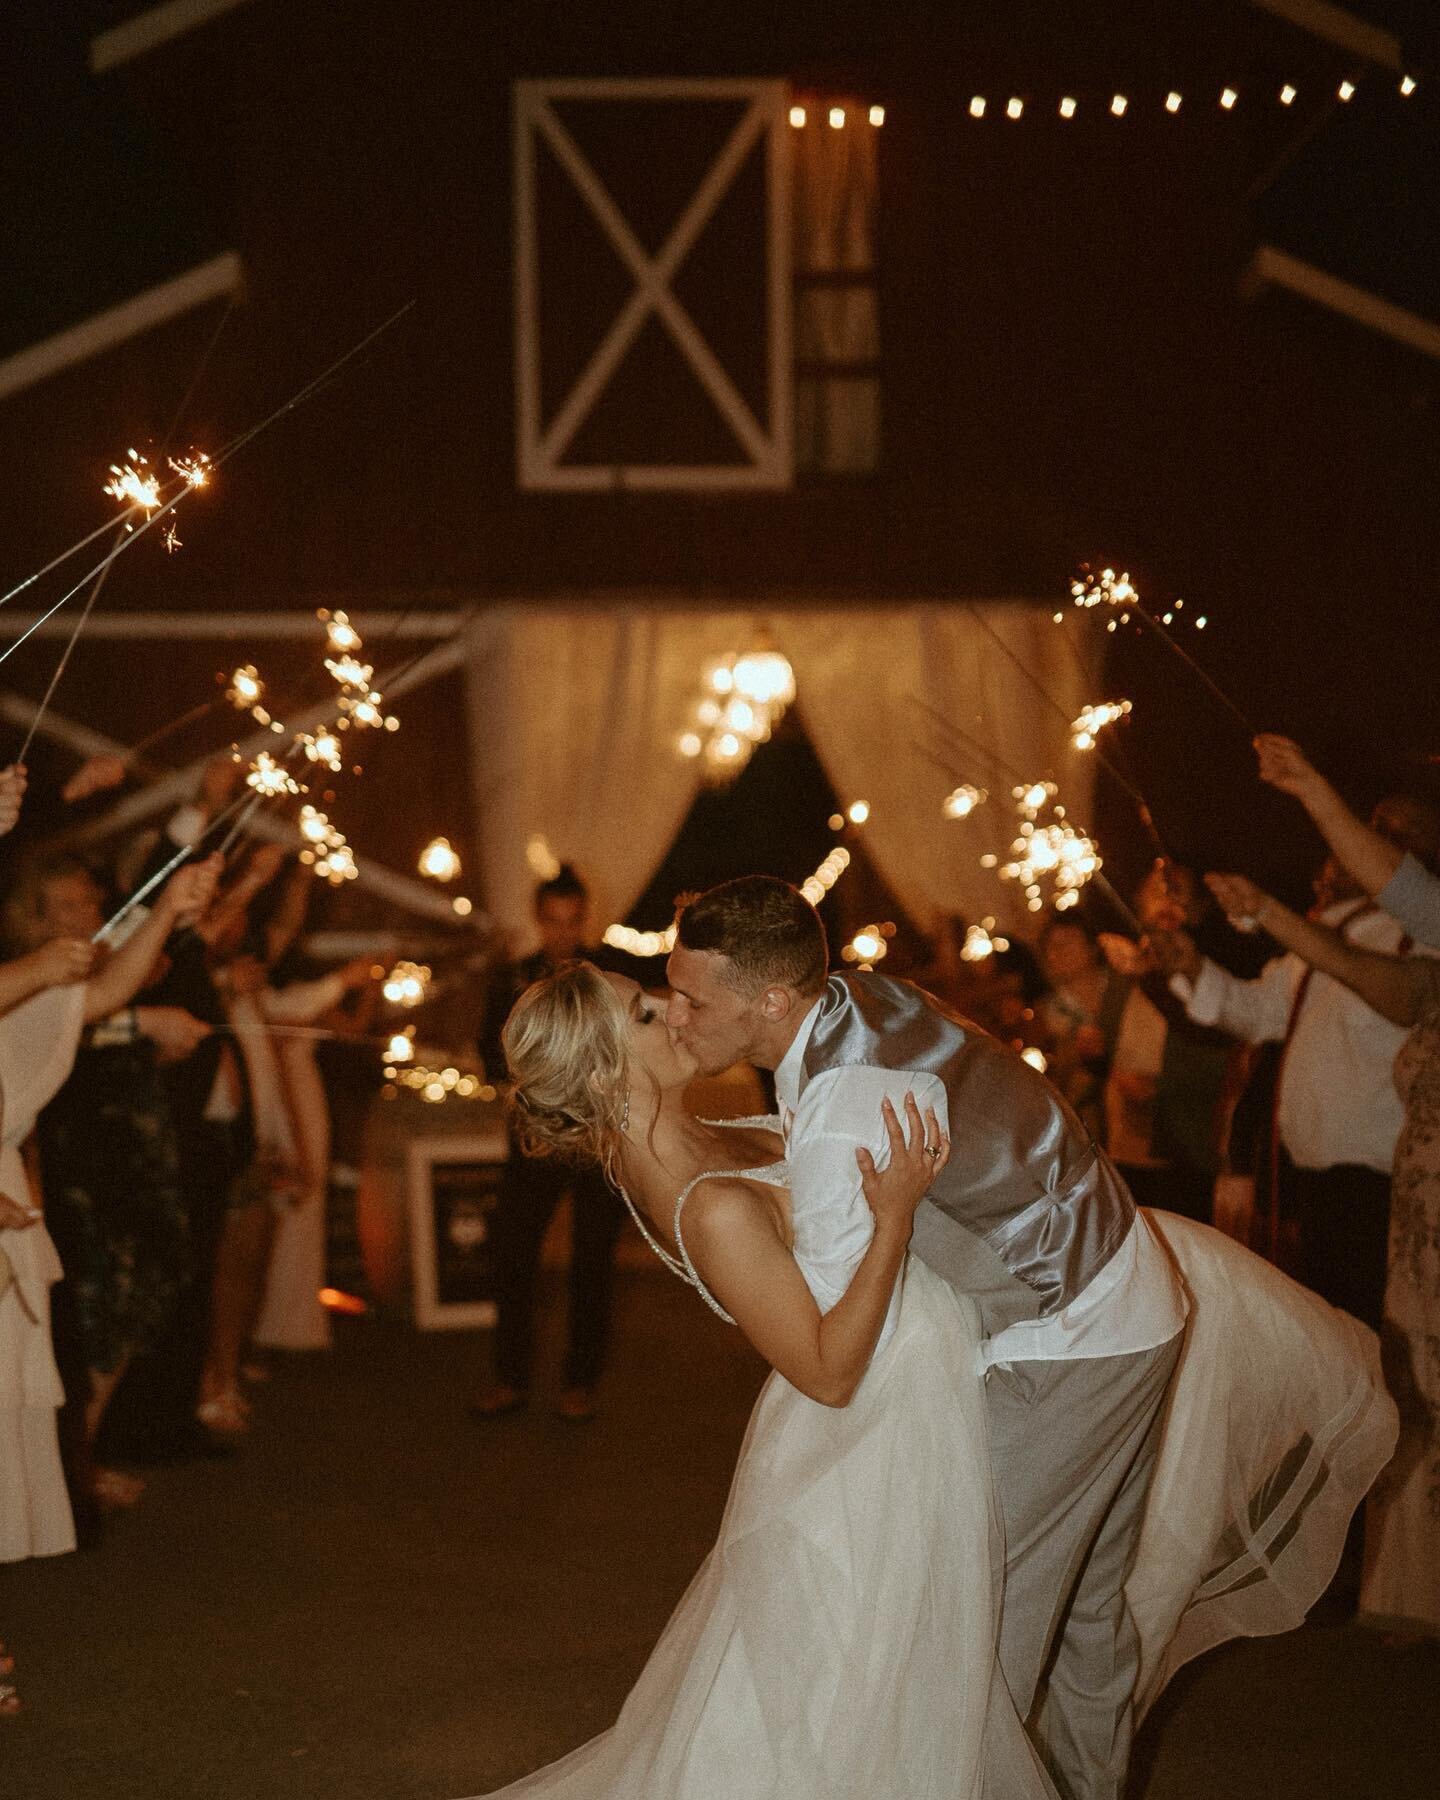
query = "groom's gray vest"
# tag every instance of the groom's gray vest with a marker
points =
(1027, 1211)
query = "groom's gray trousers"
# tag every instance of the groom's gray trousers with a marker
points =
(1074, 1445)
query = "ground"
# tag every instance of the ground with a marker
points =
(382, 1600)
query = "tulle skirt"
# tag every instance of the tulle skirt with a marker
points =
(839, 1641)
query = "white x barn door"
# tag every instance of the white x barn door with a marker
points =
(546, 433)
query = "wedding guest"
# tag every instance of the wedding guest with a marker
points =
(38, 1040)
(152, 1415)
(1337, 1115)
(1401, 1582)
(532, 1189)
(1079, 1015)
(108, 1161)
(1390, 872)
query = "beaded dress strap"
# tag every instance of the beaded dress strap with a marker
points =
(683, 1267)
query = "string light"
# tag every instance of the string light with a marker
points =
(962, 801)
(837, 118)
(1287, 95)
(1093, 720)
(640, 943)
(1014, 107)
(877, 115)
(1228, 99)
(1346, 90)
(1067, 108)
(797, 117)
(1172, 102)
(869, 945)
(815, 887)
(439, 860)
(977, 107)
(1118, 105)
(1407, 85)
(858, 812)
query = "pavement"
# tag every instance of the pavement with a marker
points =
(381, 1599)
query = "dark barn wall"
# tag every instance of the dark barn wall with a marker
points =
(1069, 370)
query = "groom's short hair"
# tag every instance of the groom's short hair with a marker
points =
(764, 927)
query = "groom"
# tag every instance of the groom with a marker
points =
(1080, 1309)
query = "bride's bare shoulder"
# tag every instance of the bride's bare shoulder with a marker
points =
(722, 1205)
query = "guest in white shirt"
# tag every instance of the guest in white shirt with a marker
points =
(1337, 1115)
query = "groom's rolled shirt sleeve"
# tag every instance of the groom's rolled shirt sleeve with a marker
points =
(839, 1112)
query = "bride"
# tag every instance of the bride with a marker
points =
(840, 1638)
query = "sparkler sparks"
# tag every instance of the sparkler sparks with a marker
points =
(246, 689)
(406, 984)
(341, 636)
(350, 672)
(960, 803)
(194, 470)
(269, 778)
(439, 860)
(323, 747)
(1093, 720)
(1105, 589)
(131, 485)
(1053, 852)
(981, 941)
(171, 539)
(326, 851)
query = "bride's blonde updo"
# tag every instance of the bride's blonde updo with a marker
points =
(565, 1043)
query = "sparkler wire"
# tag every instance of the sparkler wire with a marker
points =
(223, 456)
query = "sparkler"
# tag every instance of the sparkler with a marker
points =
(322, 747)
(962, 801)
(1093, 720)
(269, 778)
(1089, 589)
(130, 485)
(406, 984)
(981, 941)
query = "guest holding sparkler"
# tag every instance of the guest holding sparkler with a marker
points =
(38, 1040)
(1401, 1583)
(1390, 872)
(1337, 1116)
(108, 1161)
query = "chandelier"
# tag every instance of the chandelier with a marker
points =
(743, 699)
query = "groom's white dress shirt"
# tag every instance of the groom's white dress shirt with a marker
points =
(1135, 1303)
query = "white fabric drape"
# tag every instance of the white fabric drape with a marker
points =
(574, 717)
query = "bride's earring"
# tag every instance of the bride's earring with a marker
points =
(625, 1113)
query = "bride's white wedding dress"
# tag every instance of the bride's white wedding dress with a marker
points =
(838, 1643)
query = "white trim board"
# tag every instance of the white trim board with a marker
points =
(155, 26)
(223, 274)
(1278, 268)
(203, 626)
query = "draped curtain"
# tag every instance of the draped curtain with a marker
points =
(574, 716)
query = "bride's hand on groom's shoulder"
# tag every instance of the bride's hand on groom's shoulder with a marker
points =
(919, 1149)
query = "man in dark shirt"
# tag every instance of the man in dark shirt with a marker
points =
(533, 1187)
